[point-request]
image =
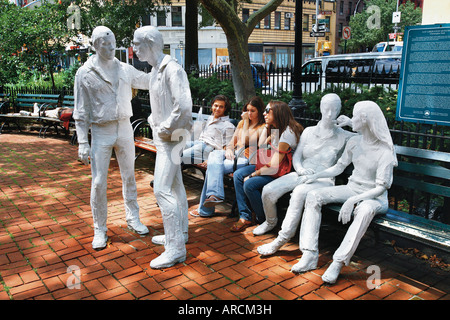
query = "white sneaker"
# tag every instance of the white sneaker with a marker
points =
(166, 260)
(100, 240)
(138, 227)
(308, 262)
(160, 239)
(332, 273)
(270, 248)
(264, 228)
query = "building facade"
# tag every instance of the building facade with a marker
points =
(272, 41)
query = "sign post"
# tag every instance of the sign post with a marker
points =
(424, 86)
(346, 34)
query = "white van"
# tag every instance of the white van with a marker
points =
(370, 67)
(388, 46)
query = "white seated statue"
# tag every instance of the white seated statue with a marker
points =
(319, 148)
(365, 195)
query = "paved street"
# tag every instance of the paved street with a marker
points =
(46, 233)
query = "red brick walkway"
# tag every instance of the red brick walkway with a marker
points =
(46, 233)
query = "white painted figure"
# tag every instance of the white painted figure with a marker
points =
(103, 92)
(319, 148)
(171, 103)
(365, 195)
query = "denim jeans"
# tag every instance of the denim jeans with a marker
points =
(250, 191)
(196, 152)
(218, 166)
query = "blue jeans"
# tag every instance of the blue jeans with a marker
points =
(195, 152)
(218, 166)
(250, 191)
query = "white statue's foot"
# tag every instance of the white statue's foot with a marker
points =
(160, 239)
(332, 273)
(264, 228)
(270, 248)
(166, 260)
(308, 261)
(100, 240)
(138, 227)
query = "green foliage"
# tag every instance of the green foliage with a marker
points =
(375, 23)
(208, 88)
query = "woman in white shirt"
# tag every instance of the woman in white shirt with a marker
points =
(283, 134)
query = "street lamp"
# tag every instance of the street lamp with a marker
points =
(297, 104)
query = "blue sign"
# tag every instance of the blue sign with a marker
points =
(424, 87)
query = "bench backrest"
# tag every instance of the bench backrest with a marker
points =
(422, 178)
(68, 102)
(26, 101)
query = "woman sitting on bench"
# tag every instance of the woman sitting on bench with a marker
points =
(221, 162)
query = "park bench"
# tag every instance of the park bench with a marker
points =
(66, 104)
(24, 109)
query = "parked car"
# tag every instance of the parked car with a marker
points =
(356, 67)
(259, 73)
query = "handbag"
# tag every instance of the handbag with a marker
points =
(264, 156)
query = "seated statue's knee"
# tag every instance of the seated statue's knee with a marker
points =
(313, 199)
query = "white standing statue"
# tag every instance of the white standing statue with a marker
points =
(103, 92)
(171, 103)
(365, 195)
(319, 148)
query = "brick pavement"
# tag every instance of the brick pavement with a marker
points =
(46, 233)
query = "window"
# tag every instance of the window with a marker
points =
(277, 20)
(287, 23)
(177, 20)
(305, 22)
(259, 22)
(267, 22)
(341, 27)
(161, 18)
(245, 15)
(350, 4)
(341, 7)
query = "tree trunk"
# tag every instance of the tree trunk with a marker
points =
(191, 36)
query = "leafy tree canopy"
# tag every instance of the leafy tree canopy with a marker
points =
(375, 23)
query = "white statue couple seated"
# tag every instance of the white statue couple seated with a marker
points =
(324, 152)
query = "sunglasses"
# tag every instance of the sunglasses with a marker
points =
(267, 110)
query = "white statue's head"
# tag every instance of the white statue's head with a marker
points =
(148, 44)
(368, 113)
(330, 106)
(104, 42)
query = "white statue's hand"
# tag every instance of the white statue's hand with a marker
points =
(305, 172)
(343, 121)
(164, 134)
(84, 152)
(310, 178)
(345, 213)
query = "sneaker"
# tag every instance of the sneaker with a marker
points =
(100, 240)
(332, 273)
(270, 248)
(138, 227)
(212, 201)
(160, 239)
(166, 260)
(308, 262)
(264, 228)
